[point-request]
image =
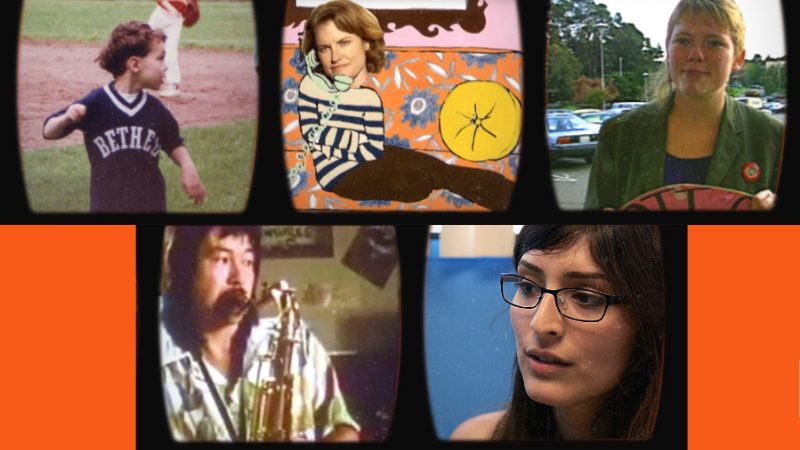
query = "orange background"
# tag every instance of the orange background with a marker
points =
(69, 337)
(744, 337)
(69, 310)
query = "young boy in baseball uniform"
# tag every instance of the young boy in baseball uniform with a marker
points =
(124, 127)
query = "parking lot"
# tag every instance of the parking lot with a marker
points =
(570, 178)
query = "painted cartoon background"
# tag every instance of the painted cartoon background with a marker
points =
(441, 56)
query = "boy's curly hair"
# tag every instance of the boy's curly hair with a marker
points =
(129, 39)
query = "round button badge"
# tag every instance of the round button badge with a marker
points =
(751, 172)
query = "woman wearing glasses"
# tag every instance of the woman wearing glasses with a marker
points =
(587, 310)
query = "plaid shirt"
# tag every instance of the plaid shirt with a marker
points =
(317, 403)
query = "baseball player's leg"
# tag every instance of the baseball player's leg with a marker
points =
(173, 32)
(171, 25)
(158, 18)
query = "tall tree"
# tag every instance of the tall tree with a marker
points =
(771, 80)
(630, 87)
(583, 88)
(750, 74)
(574, 26)
(562, 70)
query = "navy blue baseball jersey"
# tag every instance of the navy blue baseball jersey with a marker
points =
(123, 142)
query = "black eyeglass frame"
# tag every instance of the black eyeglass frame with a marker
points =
(610, 299)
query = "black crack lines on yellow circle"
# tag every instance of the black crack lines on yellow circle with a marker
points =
(476, 120)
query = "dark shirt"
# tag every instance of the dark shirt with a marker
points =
(685, 171)
(123, 141)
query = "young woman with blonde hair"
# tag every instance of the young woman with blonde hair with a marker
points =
(696, 133)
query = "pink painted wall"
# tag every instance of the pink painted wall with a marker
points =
(501, 32)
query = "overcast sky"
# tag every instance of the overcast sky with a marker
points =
(763, 20)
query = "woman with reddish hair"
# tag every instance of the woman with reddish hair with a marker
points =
(341, 119)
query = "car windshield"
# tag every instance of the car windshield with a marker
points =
(565, 124)
(596, 118)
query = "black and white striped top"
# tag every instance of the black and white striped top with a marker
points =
(353, 135)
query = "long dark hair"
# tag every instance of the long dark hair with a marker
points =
(180, 313)
(630, 258)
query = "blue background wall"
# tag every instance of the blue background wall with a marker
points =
(469, 343)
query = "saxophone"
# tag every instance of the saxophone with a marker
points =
(272, 402)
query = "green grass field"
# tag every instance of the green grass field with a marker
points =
(222, 25)
(57, 179)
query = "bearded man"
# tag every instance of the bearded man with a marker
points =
(213, 344)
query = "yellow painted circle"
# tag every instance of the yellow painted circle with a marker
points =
(480, 121)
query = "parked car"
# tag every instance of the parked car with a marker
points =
(596, 119)
(569, 136)
(578, 112)
(756, 103)
(625, 106)
(775, 106)
(558, 111)
(755, 91)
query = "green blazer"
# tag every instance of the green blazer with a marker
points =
(632, 147)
